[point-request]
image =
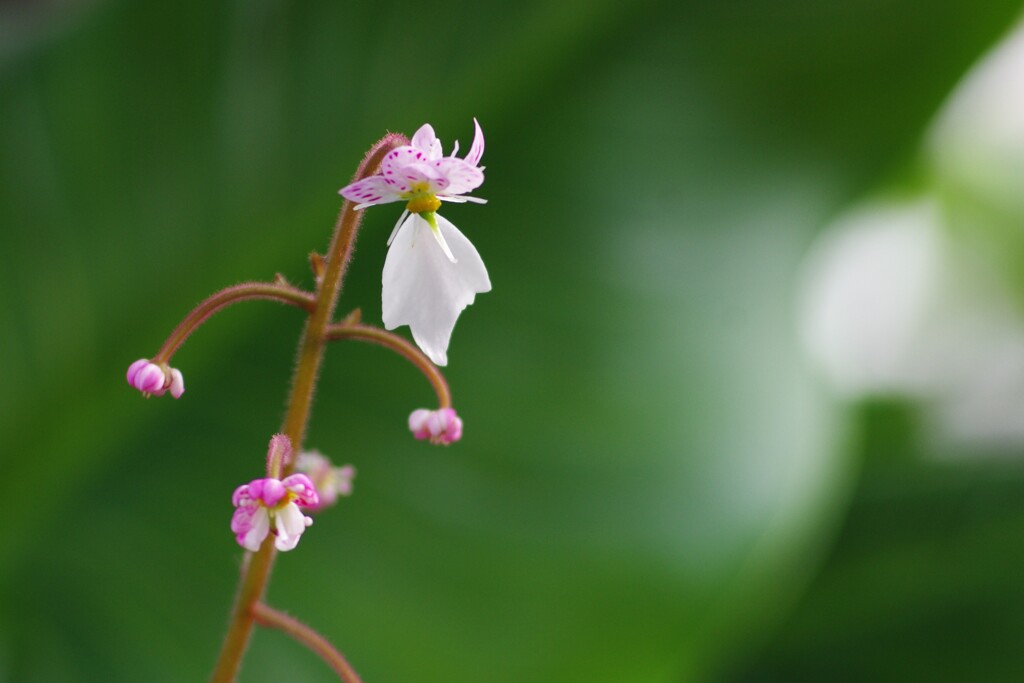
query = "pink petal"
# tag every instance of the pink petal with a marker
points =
(177, 387)
(241, 520)
(426, 141)
(134, 369)
(421, 173)
(461, 176)
(476, 150)
(242, 496)
(303, 488)
(373, 190)
(268, 491)
(150, 379)
(400, 157)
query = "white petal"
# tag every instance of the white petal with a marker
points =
(460, 199)
(258, 531)
(426, 291)
(398, 224)
(439, 237)
(290, 523)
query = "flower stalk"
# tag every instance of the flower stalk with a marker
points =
(255, 576)
(268, 616)
(276, 291)
(349, 329)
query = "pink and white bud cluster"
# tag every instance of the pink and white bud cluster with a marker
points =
(264, 501)
(442, 426)
(150, 378)
(330, 481)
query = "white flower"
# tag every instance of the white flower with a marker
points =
(427, 282)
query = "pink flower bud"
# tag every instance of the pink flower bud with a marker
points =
(442, 426)
(330, 481)
(150, 378)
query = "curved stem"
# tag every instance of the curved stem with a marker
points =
(268, 616)
(399, 345)
(232, 295)
(338, 255)
(253, 583)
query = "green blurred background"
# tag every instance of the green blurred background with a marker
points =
(655, 483)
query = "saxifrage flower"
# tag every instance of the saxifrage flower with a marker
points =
(330, 481)
(272, 506)
(427, 282)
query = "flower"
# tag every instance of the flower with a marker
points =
(427, 282)
(330, 481)
(441, 426)
(150, 378)
(263, 501)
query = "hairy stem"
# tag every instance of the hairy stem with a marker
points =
(268, 616)
(232, 295)
(254, 579)
(313, 339)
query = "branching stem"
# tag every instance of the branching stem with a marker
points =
(255, 576)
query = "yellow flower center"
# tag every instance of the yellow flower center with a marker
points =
(421, 199)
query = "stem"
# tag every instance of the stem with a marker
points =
(399, 345)
(224, 298)
(268, 616)
(253, 581)
(338, 255)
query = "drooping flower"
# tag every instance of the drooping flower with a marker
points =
(442, 426)
(330, 481)
(427, 282)
(272, 506)
(150, 378)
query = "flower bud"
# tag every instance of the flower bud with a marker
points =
(442, 426)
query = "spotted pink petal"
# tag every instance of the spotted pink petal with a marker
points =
(399, 158)
(373, 190)
(426, 141)
(461, 176)
(425, 173)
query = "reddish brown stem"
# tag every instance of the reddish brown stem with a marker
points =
(399, 345)
(254, 580)
(246, 291)
(268, 616)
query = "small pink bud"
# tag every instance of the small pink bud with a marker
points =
(330, 481)
(177, 387)
(442, 426)
(150, 378)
